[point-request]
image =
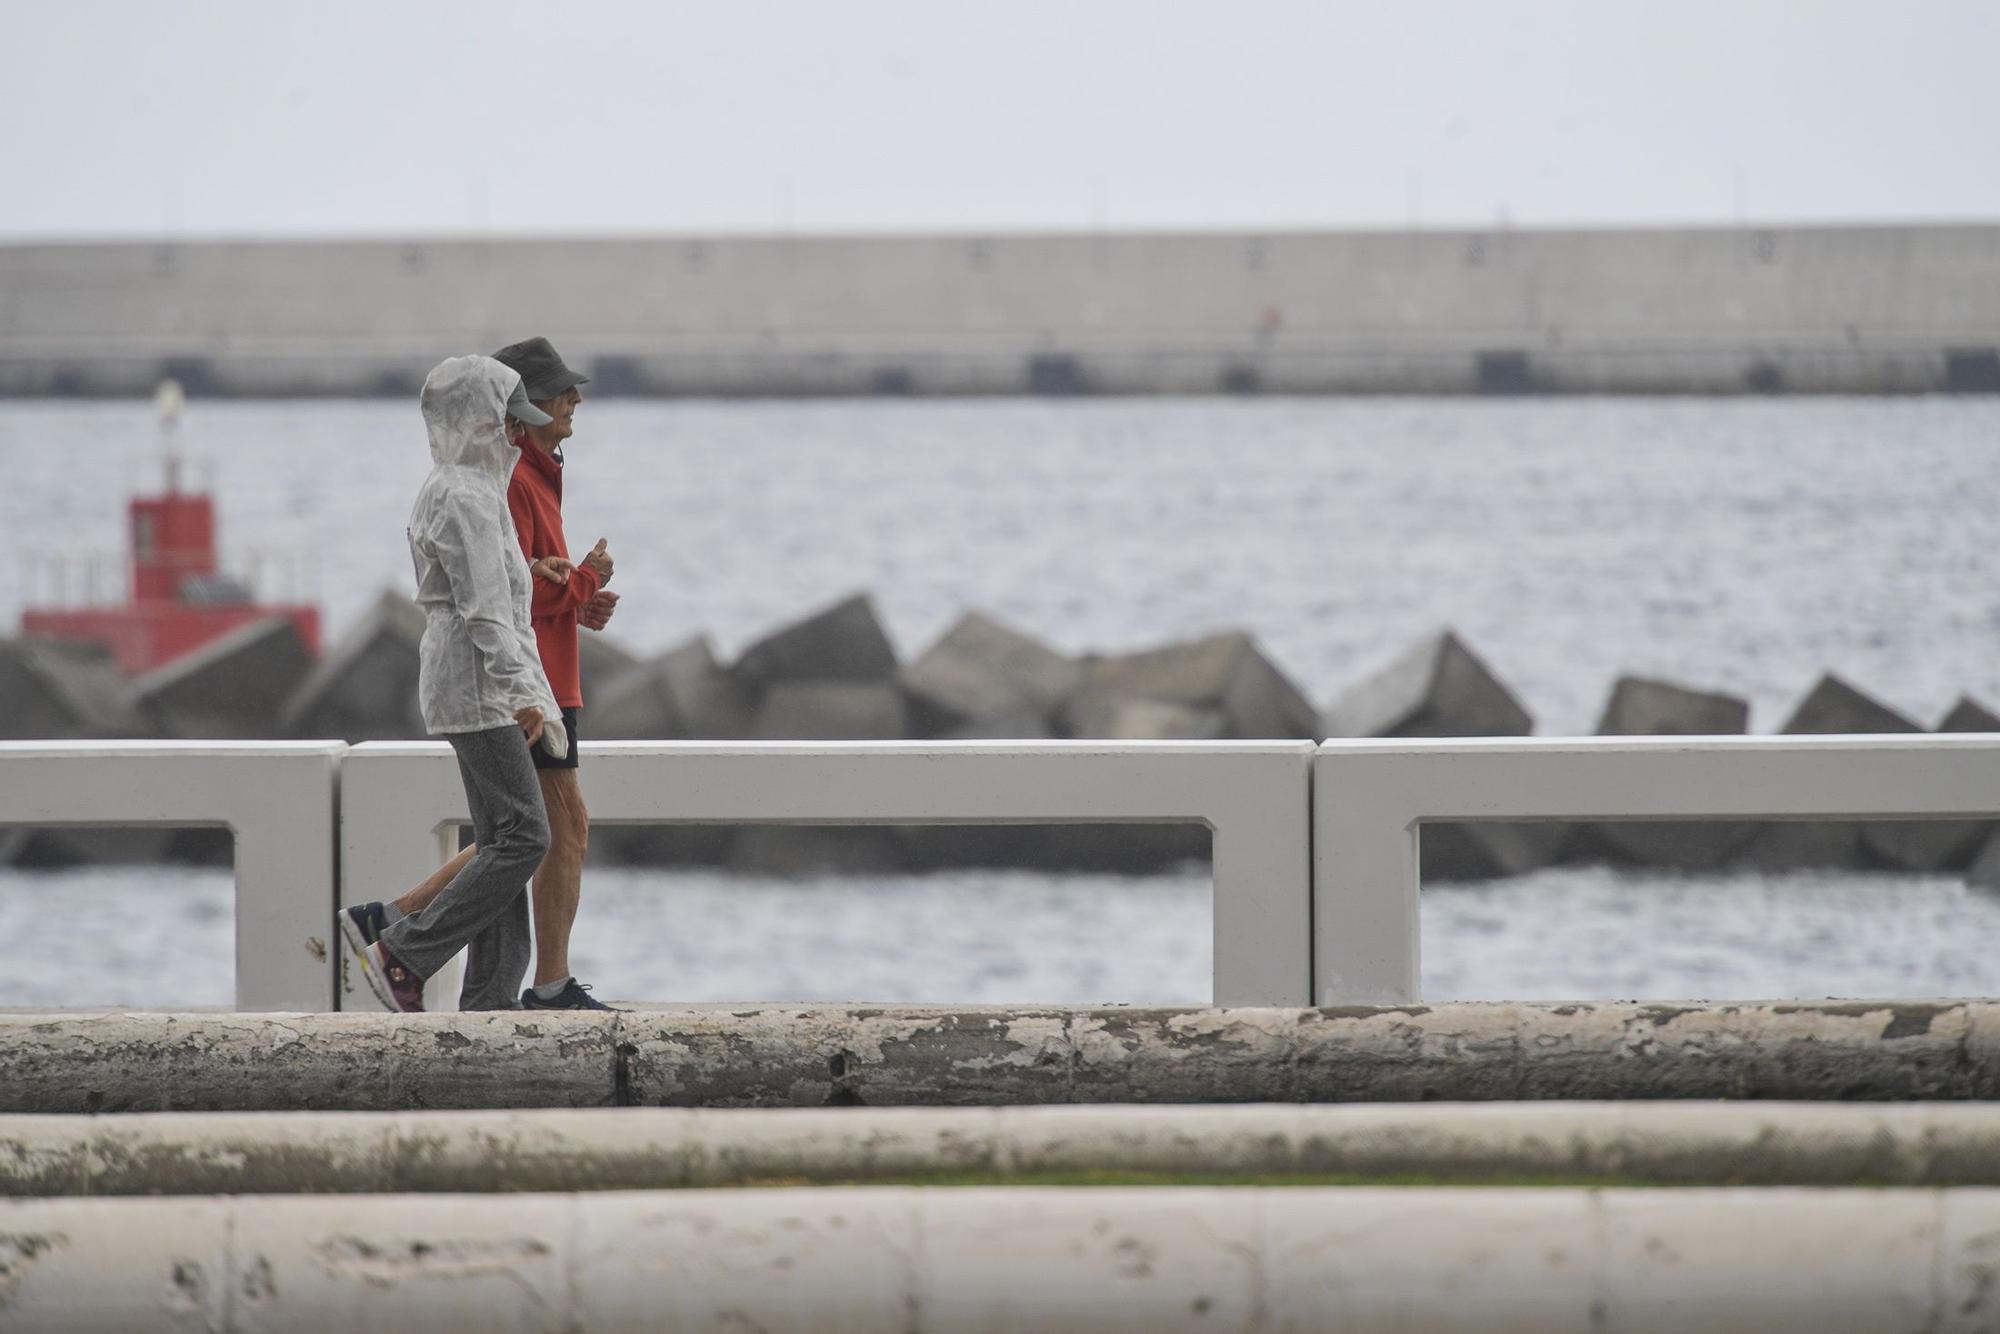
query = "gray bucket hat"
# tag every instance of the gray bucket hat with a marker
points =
(541, 369)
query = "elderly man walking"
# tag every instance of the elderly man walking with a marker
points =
(566, 595)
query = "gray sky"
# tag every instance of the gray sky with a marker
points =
(148, 117)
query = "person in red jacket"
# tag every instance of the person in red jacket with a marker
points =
(567, 594)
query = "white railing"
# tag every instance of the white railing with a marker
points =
(1315, 849)
(1372, 798)
(402, 801)
(279, 799)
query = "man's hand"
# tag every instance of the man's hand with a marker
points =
(599, 560)
(597, 611)
(555, 569)
(530, 719)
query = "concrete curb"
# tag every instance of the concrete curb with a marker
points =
(756, 1056)
(1155, 1260)
(269, 1153)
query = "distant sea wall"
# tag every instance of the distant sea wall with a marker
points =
(1829, 309)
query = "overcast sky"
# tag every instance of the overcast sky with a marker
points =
(254, 117)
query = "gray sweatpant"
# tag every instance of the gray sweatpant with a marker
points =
(486, 904)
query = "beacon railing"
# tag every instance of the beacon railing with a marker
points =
(401, 803)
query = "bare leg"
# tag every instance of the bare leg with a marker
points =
(419, 898)
(559, 881)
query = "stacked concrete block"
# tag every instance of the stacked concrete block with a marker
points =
(1223, 685)
(1440, 688)
(845, 642)
(233, 688)
(1935, 845)
(1831, 708)
(601, 661)
(1642, 707)
(365, 688)
(983, 678)
(64, 692)
(681, 695)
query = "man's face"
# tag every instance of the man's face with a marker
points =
(562, 408)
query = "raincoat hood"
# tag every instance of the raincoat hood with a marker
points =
(465, 411)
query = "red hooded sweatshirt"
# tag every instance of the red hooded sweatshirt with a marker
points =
(534, 495)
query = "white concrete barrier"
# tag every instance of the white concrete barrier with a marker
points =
(941, 1260)
(401, 800)
(278, 799)
(1371, 800)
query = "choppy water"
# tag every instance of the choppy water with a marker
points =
(1745, 545)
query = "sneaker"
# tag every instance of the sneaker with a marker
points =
(575, 996)
(399, 988)
(361, 925)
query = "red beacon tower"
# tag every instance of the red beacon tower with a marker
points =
(180, 598)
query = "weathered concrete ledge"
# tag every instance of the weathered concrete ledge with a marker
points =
(935, 1260)
(769, 1056)
(1631, 1143)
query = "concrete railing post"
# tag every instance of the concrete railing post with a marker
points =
(1254, 796)
(279, 800)
(1371, 798)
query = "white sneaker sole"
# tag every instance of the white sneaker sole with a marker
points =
(357, 950)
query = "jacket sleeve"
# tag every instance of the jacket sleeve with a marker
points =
(471, 548)
(548, 599)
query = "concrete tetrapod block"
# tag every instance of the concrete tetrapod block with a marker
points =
(61, 692)
(982, 669)
(845, 642)
(1439, 687)
(601, 660)
(1641, 707)
(365, 688)
(1225, 675)
(233, 688)
(1936, 845)
(1831, 707)
(680, 695)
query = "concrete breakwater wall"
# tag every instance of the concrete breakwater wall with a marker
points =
(1856, 309)
(1606, 1143)
(792, 1056)
(834, 675)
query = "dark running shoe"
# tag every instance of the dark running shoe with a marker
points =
(361, 925)
(575, 996)
(399, 988)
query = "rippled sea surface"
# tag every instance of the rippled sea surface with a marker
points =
(1743, 545)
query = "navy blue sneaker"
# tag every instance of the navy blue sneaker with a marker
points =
(574, 996)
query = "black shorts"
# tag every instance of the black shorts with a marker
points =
(543, 760)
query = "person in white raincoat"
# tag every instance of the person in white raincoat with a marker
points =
(480, 685)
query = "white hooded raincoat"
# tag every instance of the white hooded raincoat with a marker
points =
(478, 661)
